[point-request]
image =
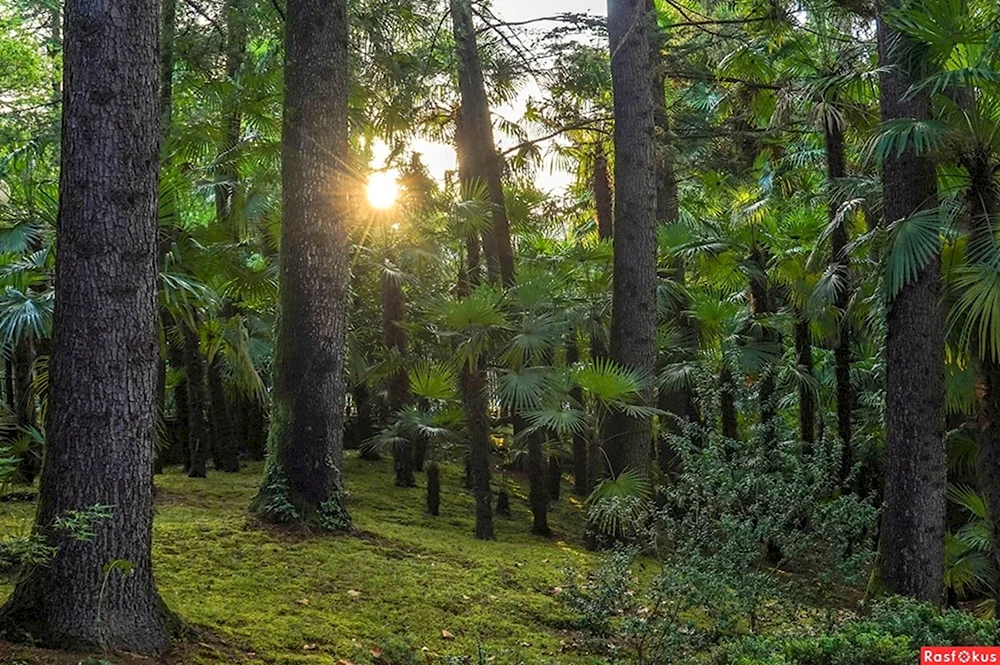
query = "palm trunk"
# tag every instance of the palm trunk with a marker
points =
(227, 447)
(761, 304)
(841, 260)
(603, 196)
(364, 425)
(633, 319)
(983, 202)
(581, 482)
(727, 403)
(807, 398)
(25, 413)
(912, 534)
(400, 396)
(472, 382)
(103, 362)
(197, 402)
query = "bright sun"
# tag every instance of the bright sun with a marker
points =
(382, 189)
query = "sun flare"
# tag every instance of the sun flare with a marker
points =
(382, 189)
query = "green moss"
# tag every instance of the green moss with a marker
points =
(406, 577)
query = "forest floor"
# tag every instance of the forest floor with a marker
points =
(409, 589)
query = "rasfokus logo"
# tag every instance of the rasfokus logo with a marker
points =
(960, 655)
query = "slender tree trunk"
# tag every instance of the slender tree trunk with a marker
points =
(603, 196)
(9, 397)
(473, 388)
(25, 413)
(228, 177)
(762, 304)
(727, 403)
(678, 402)
(581, 482)
(633, 319)
(555, 478)
(841, 260)
(227, 445)
(911, 552)
(400, 396)
(807, 398)
(480, 149)
(538, 489)
(983, 202)
(256, 436)
(197, 398)
(181, 449)
(307, 413)
(103, 362)
(364, 429)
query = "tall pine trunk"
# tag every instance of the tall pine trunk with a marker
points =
(102, 425)
(911, 553)
(627, 440)
(479, 148)
(307, 413)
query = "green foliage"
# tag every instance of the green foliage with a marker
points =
(891, 634)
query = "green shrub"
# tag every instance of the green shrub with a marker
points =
(891, 635)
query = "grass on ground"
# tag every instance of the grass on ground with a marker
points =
(273, 597)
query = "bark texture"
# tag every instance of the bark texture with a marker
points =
(483, 162)
(626, 440)
(307, 417)
(104, 349)
(911, 557)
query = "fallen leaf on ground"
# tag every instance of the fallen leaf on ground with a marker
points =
(353, 594)
(445, 635)
(309, 647)
(302, 601)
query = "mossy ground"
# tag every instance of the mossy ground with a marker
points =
(269, 596)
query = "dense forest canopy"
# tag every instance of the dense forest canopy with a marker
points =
(703, 295)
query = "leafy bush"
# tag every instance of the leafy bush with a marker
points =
(891, 635)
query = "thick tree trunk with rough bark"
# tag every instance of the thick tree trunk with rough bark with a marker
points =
(307, 413)
(911, 556)
(104, 350)
(479, 149)
(400, 395)
(627, 440)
